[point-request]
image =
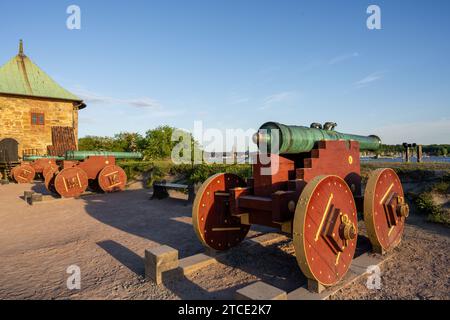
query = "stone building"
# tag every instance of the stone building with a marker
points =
(31, 104)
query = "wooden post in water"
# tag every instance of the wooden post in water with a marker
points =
(407, 155)
(419, 153)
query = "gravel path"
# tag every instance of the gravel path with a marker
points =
(106, 236)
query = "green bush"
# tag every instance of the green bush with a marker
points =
(435, 212)
(157, 173)
(442, 187)
(203, 171)
(133, 168)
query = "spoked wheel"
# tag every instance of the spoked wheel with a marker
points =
(112, 178)
(385, 209)
(23, 173)
(325, 229)
(213, 223)
(71, 182)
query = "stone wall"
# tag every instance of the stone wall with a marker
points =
(15, 121)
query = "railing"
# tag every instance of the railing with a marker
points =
(31, 152)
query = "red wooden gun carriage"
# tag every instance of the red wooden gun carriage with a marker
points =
(310, 189)
(70, 176)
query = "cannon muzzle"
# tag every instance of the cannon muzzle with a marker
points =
(297, 139)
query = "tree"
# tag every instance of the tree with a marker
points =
(128, 142)
(94, 143)
(158, 143)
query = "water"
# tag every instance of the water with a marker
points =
(413, 159)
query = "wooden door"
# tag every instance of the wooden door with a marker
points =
(9, 150)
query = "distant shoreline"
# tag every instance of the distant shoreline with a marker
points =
(440, 159)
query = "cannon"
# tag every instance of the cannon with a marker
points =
(32, 166)
(82, 169)
(310, 188)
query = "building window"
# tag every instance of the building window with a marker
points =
(37, 119)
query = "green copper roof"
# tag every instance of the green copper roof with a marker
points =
(20, 76)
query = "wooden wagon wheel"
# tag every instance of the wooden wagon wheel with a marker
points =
(213, 223)
(325, 229)
(385, 209)
(41, 164)
(112, 178)
(51, 167)
(49, 181)
(24, 173)
(71, 182)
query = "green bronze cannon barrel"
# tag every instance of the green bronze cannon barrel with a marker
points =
(33, 158)
(297, 139)
(82, 155)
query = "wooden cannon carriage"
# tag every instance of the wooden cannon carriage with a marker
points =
(310, 188)
(83, 169)
(33, 166)
(71, 175)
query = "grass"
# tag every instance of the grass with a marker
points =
(425, 201)
(133, 168)
(436, 213)
(407, 168)
(158, 170)
(413, 172)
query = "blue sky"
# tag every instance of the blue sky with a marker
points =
(239, 63)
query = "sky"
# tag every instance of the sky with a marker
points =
(239, 63)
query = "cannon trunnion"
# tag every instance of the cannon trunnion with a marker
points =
(310, 190)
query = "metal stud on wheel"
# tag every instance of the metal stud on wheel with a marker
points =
(213, 223)
(325, 229)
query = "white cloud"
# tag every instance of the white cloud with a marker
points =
(343, 57)
(239, 100)
(235, 99)
(94, 98)
(429, 132)
(168, 114)
(277, 98)
(369, 79)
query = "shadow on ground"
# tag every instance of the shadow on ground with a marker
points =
(167, 222)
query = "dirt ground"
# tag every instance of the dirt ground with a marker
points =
(106, 235)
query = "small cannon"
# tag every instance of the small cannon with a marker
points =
(310, 189)
(82, 169)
